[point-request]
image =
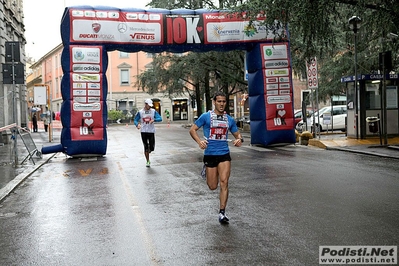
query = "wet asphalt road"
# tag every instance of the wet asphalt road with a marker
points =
(284, 203)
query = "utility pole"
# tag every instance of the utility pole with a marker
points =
(355, 23)
(13, 73)
(14, 107)
(384, 99)
(385, 61)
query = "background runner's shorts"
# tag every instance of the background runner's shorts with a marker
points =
(214, 160)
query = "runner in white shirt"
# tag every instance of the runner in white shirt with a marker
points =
(144, 121)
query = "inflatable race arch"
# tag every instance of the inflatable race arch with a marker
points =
(89, 32)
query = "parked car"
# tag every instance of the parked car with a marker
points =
(243, 120)
(298, 115)
(337, 119)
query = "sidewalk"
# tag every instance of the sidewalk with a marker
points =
(370, 146)
(11, 177)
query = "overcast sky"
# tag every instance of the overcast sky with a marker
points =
(42, 20)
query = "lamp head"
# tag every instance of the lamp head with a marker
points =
(354, 23)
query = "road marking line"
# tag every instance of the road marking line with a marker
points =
(150, 247)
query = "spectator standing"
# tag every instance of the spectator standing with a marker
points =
(34, 122)
(46, 119)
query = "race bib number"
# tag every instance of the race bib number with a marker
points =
(146, 119)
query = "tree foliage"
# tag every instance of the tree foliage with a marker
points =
(317, 28)
(196, 74)
(320, 28)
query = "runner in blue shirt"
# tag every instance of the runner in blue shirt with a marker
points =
(217, 160)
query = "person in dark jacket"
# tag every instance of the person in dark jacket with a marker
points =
(34, 122)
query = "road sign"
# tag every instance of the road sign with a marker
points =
(327, 118)
(311, 67)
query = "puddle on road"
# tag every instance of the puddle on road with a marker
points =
(8, 215)
(88, 159)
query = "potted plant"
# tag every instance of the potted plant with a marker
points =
(304, 138)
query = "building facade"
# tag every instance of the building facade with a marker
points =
(12, 96)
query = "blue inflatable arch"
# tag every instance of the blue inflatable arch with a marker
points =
(89, 32)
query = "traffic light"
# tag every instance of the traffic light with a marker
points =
(385, 60)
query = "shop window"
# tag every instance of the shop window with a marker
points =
(373, 97)
(157, 105)
(180, 109)
(392, 97)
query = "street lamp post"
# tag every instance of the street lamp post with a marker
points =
(355, 23)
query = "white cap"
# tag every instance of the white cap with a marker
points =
(149, 102)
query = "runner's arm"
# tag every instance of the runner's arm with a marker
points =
(194, 134)
(238, 139)
(137, 119)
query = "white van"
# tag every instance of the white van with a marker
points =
(336, 121)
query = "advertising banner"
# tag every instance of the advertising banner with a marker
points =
(152, 28)
(278, 86)
(86, 93)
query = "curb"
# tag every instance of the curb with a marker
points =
(13, 184)
(362, 152)
(317, 143)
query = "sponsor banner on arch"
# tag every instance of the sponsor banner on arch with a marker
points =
(152, 28)
(278, 86)
(86, 93)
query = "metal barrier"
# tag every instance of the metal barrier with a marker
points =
(29, 144)
(26, 139)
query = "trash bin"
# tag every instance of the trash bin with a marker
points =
(373, 123)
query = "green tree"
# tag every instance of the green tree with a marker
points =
(114, 115)
(196, 74)
(320, 28)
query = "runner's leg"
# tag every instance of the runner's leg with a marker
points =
(224, 174)
(144, 138)
(212, 177)
(151, 141)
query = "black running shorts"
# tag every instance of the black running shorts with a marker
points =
(214, 160)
